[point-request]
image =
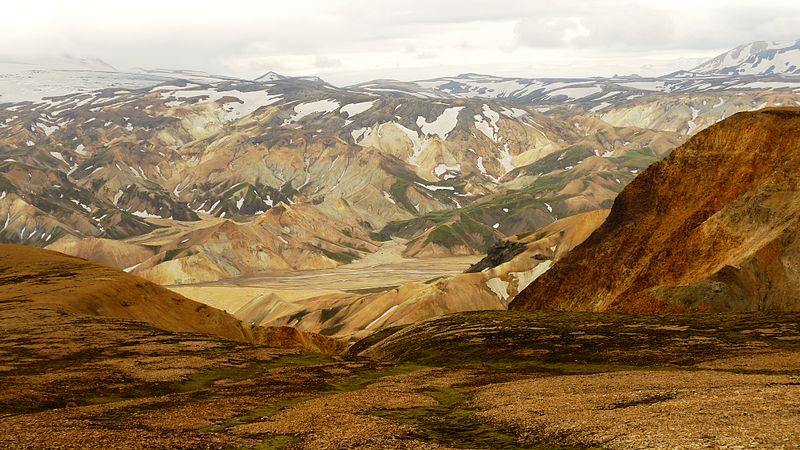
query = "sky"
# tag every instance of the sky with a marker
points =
(351, 41)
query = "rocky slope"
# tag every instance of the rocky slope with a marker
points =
(43, 276)
(713, 227)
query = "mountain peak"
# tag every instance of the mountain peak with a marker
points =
(755, 58)
(271, 76)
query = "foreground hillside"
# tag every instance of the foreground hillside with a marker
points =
(43, 276)
(713, 227)
(75, 286)
(511, 380)
(83, 368)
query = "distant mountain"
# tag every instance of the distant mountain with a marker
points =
(189, 169)
(36, 80)
(713, 227)
(59, 62)
(197, 76)
(271, 76)
(595, 94)
(755, 58)
(313, 173)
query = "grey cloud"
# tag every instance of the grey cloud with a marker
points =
(427, 55)
(628, 26)
(324, 62)
(640, 27)
(247, 38)
(752, 23)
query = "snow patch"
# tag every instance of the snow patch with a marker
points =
(505, 159)
(483, 170)
(513, 113)
(143, 214)
(59, 157)
(48, 130)
(692, 124)
(354, 109)
(499, 287)
(131, 268)
(443, 124)
(305, 109)
(416, 143)
(117, 196)
(359, 133)
(526, 278)
(442, 169)
(436, 188)
(386, 313)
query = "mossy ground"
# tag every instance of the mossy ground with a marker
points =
(452, 423)
(244, 385)
(579, 342)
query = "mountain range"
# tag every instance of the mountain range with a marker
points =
(185, 177)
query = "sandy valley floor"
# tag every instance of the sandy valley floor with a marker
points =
(387, 267)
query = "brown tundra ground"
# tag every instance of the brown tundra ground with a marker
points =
(507, 380)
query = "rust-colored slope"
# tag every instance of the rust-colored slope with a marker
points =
(44, 276)
(107, 252)
(47, 277)
(712, 227)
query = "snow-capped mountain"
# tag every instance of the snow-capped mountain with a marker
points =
(755, 58)
(35, 80)
(32, 82)
(593, 94)
(270, 76)
(452, 164)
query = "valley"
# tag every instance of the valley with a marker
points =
(379, 271)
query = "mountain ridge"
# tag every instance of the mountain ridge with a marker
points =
(755, 58)
(722, 242)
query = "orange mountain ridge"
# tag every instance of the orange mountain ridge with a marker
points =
(713, 227)
(78, 286)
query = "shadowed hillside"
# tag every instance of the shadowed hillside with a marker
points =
(78, 286)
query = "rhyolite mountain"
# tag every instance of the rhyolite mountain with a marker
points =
(713, 227)
(183, 177)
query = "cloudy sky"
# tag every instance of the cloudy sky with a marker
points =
(349, 41)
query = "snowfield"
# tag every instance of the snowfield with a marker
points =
(442, 125)
(304, 109)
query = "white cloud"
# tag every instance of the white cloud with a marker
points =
(352, 40)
